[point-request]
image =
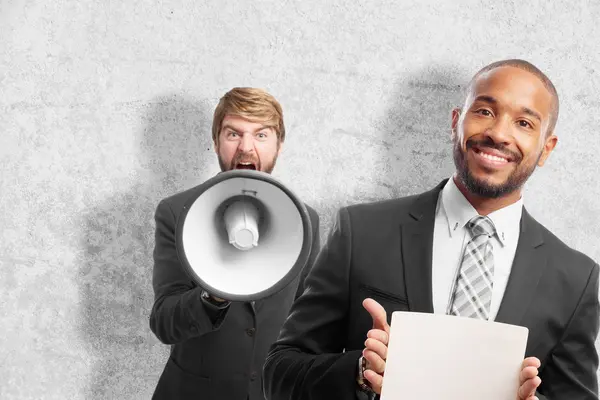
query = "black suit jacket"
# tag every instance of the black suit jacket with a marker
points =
(383, 250)
(212, 356)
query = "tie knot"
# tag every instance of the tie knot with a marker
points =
(481, 225)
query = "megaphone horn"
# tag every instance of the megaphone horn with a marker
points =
(243, 235)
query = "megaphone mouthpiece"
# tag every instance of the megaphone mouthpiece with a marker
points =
(241, 221)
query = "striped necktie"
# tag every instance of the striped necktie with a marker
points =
(473, 289)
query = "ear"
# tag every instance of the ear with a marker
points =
(455, 118)
(549, 145)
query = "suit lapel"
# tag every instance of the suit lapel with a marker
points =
(527, 269)
(417, 248)
(254, 306)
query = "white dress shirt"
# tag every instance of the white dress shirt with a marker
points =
(451, 236)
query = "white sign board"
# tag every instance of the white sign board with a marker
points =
(432, 356)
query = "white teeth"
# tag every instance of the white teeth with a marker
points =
(493, 158)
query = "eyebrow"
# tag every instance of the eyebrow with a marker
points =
(529, 111)
(228, 126)
(526, 110)
(486, 99)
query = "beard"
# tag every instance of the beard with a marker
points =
(482, 187)
(253, 159)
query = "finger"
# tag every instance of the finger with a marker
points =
(527, 389)
(374, 361)
(377, 313)
(527, 373)
(375, 380)
(531, 362)
(377, 347)
(379, 335)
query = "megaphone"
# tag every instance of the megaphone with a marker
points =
(243, 236)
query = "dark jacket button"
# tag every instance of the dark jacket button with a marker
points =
(250, 331)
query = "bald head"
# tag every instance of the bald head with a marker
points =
(526, 66)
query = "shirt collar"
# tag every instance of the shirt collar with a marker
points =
(459, 211)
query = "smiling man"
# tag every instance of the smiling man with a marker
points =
(467, 248)
(218, 347)
(498, 169)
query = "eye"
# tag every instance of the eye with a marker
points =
(232, 134)
(525, 124)
(262, 135)
(484, 111)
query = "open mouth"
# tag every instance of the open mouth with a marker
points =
(492, 156)
(245, 165)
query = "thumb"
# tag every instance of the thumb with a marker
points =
(378, 314)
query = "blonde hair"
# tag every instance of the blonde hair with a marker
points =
(255, 105)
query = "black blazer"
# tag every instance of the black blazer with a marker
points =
(383, 250)
(211, 358)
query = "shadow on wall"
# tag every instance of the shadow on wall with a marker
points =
(116, 279)
(411, 141)
(416, 132)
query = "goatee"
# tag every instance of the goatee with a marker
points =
(482, 187)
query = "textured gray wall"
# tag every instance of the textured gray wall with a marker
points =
(105, 108)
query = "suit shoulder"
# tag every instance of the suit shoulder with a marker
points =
(575, 260)
(312, 212)
(382, 208)
(557, 245)
(178, 200)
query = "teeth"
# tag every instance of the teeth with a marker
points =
(493, 158)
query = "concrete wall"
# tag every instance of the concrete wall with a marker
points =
(106, 108)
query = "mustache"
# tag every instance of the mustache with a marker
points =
(517, 157)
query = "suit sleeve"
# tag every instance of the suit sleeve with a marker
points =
(571, 369)
(178, 313)
(308, 361)
(314, 252)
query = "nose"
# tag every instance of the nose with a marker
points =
(499, 131)
(246, 143)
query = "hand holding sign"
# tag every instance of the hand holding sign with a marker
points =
(528, 379)
(375, 351)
